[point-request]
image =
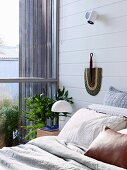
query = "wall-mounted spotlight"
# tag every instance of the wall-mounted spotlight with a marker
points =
(91, 16)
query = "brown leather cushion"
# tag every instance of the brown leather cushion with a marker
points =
(109, 147)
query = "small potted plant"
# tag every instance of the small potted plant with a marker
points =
(62, 95)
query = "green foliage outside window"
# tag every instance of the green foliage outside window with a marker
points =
(9, 119)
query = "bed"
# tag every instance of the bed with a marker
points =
(67, 150)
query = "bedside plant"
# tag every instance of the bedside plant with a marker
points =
(62, 94)
(38, 111)
(63, 108)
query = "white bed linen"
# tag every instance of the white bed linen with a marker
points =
(110, 110)
(86, 124)
(47, 153)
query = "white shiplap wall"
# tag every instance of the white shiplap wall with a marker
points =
(107, 39)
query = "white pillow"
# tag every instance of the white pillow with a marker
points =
(110, 110)
(85, 125)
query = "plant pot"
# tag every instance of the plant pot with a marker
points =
(52, 124)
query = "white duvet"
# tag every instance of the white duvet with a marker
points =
(47, 153)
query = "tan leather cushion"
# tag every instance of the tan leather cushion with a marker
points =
(109, 147)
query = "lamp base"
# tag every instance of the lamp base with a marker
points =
(62, 122)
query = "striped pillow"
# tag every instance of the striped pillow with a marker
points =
(115, 98)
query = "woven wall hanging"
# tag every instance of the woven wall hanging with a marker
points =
(93, 78)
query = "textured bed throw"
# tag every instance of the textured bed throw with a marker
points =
(47, 153)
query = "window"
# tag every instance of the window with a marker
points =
(9, 50)
(35, 36)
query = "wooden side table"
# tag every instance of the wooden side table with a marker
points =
(41, 132)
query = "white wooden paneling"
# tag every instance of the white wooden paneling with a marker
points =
(106, 39)
(82, 95)
(109, 69)
(72, 69)
(113, 25)
(118, 82)
(100, 55)
(72, 81)
(66, 2)
(81, 104)
(84, 5)
(105, 14)
(78, 82)
(96, 42)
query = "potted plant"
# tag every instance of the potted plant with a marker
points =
(53, 120)
(62, 94)
(39, 113)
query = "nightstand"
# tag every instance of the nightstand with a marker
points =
(41, 132)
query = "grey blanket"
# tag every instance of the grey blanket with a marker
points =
(47, 153)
